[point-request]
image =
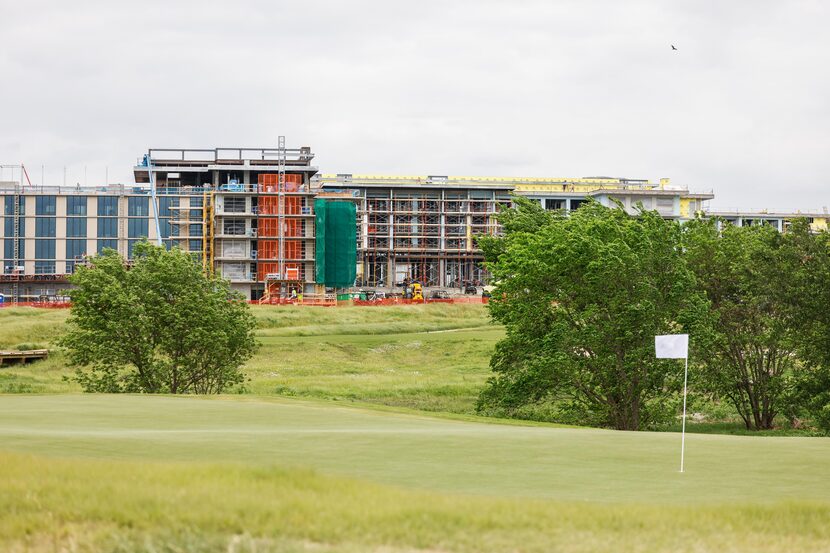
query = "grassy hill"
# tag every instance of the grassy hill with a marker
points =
(432, 357)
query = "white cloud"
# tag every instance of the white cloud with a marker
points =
(569, 88)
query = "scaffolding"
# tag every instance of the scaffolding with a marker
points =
(16, 269)
(424, 235)
(281, 206)
(208, 232)
(284, 233)
(180, 222)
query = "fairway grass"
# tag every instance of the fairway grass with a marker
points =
(171, 473)
(421, 452)
(94, 505)
(328, 449)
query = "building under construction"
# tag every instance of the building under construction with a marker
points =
(248, 214)
(423, 228)
(420, 229)
(264, 219)
(252, 211)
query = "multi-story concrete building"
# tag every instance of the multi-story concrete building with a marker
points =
(420, 228)
(672, 202)
(423, 228)
(779, 219)
(47, 230)
(249, 215)
(254, 207)
(246, 213)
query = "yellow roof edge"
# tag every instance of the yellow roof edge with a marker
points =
(581, 180)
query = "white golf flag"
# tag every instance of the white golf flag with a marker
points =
(672, 346)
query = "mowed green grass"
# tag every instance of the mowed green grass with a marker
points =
(311, 472)
(418, 451)
(296, 475)
(433, 357)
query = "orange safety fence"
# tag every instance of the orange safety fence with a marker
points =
(43, 304)
(319, 301)
(397, 300)
(307, 299)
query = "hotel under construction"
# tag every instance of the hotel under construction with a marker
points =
(266, 221)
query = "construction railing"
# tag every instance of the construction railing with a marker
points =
(328, 300)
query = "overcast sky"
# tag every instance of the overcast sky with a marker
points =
(518, 88)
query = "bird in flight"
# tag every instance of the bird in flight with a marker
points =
(672, 47)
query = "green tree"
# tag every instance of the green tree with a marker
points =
(156, 325)
(581, 298)
(807, 255)
(748, 275)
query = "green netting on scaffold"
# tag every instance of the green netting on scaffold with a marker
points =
(336, 225)
(320, 235)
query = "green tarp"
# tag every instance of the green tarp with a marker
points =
(336, 222)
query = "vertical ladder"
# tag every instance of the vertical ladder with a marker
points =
(205, 196)
(211, 242)
(207, 233)
(281, 206)
(16, 249)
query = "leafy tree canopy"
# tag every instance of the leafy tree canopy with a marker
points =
(750, 276)
(156, 325)
(581, 298)
(808, 274)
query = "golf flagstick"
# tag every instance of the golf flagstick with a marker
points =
(676, 346)
(683, 432)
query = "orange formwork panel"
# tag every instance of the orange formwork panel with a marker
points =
(266, 269)
(293, 205)
(269, 249)
(293, 228)
(269, 182)
(270, 205)
(293, 249)
(270, 228)
(292, 270)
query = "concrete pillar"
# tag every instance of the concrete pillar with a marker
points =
(364, 226)
(469, 233)
(390, 272)
(442, 272)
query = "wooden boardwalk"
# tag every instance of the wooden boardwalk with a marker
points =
(9, 357)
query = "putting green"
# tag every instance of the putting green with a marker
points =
(422, 452)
